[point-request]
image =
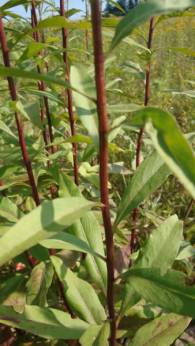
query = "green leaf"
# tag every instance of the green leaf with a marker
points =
(129, 299)
(123, 108)
(33, 49)
(79, 294)
(32, 111)
(117, 5)
(171, 144)
(9, 286)
(38, 284)
(49, 79)
(41, 223)
(143, 12)
(86, 109)
(164, 243)
(185, 51)
(163, 331)
(150, 175)
(88, 229)
(6, 129)
(49, 94)
(44, 322)
(62, 22)
(189, 93)
(96, 336)
(66, 241)
(9, 210)
(169, 291)
(13, 3)
(17, 299)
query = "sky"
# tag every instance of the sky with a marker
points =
(79, 4)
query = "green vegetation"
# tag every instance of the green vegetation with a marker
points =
(97, 175)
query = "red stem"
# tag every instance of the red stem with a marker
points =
(13, 94)
(41, 84)
(135, 214)
(103, 158)
(69, 96)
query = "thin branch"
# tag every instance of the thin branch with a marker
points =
(41, 84)
(135, 214)
(103, 158)
(188, 209)
(69, 96)
(13, 94)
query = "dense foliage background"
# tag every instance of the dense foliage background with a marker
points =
(55, 285)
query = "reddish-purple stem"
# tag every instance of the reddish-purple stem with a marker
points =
(103, 158)
(135, 214)
(41, 84)
(13, 94)
(69, 96)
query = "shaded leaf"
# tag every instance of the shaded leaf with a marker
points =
(162, 247)
(66, 241)
(49, 79)
(163, 331)
(44, 322)
(79, 294)
(6, 129)
(88, 229)
(96, 336)
(169, 291)
(150, 175)
(9, 210)
(38, 284)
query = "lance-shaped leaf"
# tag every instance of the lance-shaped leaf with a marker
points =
(86, 109)
(143, 12)
(41, 223)
(96, 336)
(170, 143)
(160, 252)
(62, 22)
(169, 291)
(9, 286)
(48, 78)
(162, 247)
(44, 322)
(9, 210)
(38, 284)
(150, 175)
(79, 294)
(163, 331)
(6, 129)
(13, 3)
(87, 229)
(66, 241)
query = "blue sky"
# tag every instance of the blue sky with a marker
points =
(72, 4)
